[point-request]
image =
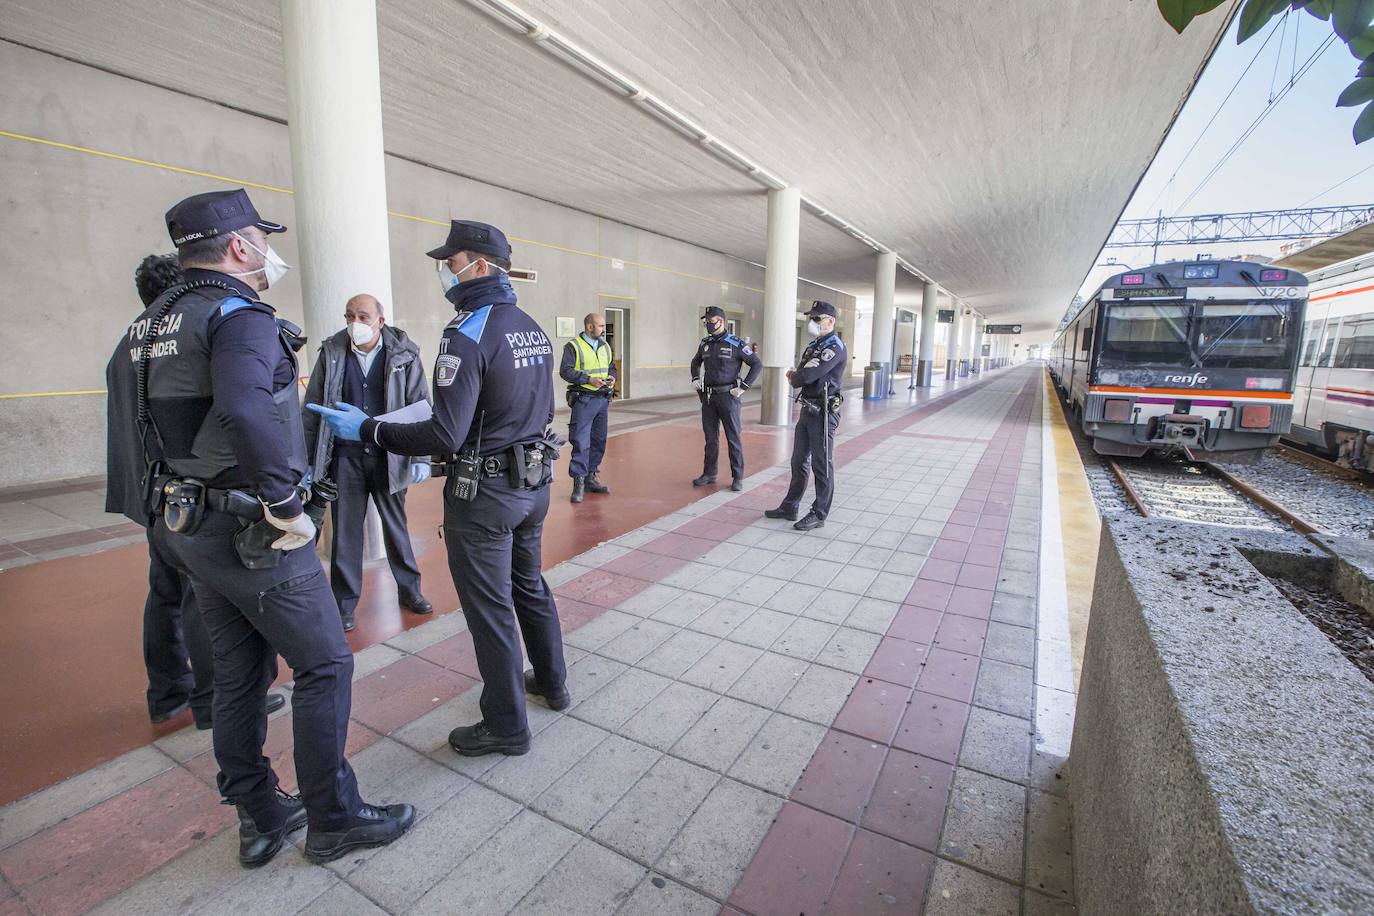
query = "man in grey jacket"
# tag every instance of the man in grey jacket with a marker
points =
(376, 367)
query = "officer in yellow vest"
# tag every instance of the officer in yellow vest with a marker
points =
(588, 369)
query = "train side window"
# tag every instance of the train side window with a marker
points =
(1087, 339)
(1075, 341)
(1355, 346)
(1328, 345)
(1314, 338)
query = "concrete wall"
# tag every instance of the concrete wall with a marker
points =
(77, 221)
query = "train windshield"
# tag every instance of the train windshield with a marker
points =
(1146, 334)
(1251, 335)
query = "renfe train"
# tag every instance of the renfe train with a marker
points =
(1333, 404)
(1196, 357)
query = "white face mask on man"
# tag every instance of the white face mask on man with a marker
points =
(813, 327)
(273, 267)
(361, 333)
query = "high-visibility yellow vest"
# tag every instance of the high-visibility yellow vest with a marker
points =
(596, 363)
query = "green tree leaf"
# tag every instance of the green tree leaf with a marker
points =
(1357, 93)
(1364, 124)
(1178, 13)
(1366, 68)
(1319, 8)
(1255, 15)
(1351, 17)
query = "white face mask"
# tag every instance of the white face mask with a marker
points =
(448, 279)
(813, 327)
(362, 334)
(273, 267)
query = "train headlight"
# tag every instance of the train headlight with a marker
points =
(1256, 416)
(1116, 410)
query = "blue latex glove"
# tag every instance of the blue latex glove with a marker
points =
(419, 472)
(345, 420)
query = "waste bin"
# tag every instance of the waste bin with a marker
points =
(875, 382)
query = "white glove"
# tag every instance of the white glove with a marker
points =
(298, 531)
(811, 364)
(698, 384)
(737, 391)
(419, 472)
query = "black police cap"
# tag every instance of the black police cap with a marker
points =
(713, 311)
(821, 307)
(204, 216)
(479, 238)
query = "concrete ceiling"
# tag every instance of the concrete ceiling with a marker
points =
(991, 143)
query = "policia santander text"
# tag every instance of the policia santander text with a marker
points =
(203, 410)
(493, 403)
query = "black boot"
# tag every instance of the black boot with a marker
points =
(477, 740)
(780, 512)
(578, 484)
(705, 480)
(418, 604)
(347, 619)
(736, 485)
(556, 699)
(809, 521)
(258, 845)
(594, 485)
(372, 826)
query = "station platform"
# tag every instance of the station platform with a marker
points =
(872, 717)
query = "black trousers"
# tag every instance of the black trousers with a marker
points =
(494, 554)
(176, 647)
(361, 477)
(813, 446)
(252, 616)
(587, 433)
(722, 410)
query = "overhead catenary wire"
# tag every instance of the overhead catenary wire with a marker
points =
(1344, 180)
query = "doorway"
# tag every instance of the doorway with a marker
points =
(732, 327)
(618, 337)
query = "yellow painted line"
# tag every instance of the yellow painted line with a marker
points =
(419, 219)
(614, 296)
(1079, 523)
(49, 394)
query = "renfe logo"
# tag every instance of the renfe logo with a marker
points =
(1190, 380)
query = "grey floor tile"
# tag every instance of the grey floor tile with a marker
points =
(756, 590)
(584, 794)
(1021, 560)
(1006, 642)
(191, 881)
(678, 653)
(719, 736)
(1005, 688)
(870, 557)
(768, 680)
(719, 668)
(849, 650)
(817, 573)
(646, 818)
(792, 598)
(723, 553)
(590, 879)
(685, 608)
(429, 734)
(831, 606)
(553, 754)
(657, 896)
(286, 885)
(996, 743)
(1049, 850)
(853, 579)
(905, 564)
(719, 582)
(819, 695)
(873, 615)
(398, 875)
(1050, 773)
(428, 633)
(600, 630)
(343, 900)
(775, 758)
(721, 618)
(717, 843)
(1040, 905)
(668, 716)
(985, 824)
(625, 695)
(591, 673)
(1014, 609)
(651, 599)
(638, 641)
(804, 639)
(754, 560)
(505, 868)
(1016, 582)
(891, 586)
(761, 628)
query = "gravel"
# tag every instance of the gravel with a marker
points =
(1334, 504)
(1346, 625)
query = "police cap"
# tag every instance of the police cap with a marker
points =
(204, 216)
(713, 311)
(821, 307)
(479, 238)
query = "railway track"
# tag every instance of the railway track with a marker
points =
(1302, 456)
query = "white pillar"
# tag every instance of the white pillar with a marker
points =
(334, 122)
(970, 331)
(977, 349)
(884, 311)
(930, 308)
(780, 304)
(952, 351)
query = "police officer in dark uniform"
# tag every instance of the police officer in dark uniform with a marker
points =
(720, 388)
(203, 394)
(817, 377)
(493, 403)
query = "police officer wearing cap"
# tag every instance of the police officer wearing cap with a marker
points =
(722, 356)
(818, 377)
(203, 401)
(493, 403)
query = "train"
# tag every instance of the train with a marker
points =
(1198, 358)
(1333, 401)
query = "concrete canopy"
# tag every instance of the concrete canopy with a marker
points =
(992, 144)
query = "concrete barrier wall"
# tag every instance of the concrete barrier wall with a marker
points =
(1221, 758)
(76, 223)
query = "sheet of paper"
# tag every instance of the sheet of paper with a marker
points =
(411, 413)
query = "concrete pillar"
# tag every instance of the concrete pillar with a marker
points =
(334, 123)
(780, 304)
(930, 307)
(884, 312)
(952, 351)
(978, 337)
(970, 332)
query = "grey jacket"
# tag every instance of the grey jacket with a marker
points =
(405, 384)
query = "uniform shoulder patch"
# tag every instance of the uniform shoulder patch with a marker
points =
(233, 304)
(732, 339)
(827, 354)
(446, 369)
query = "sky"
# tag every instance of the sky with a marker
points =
(1298, 152)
